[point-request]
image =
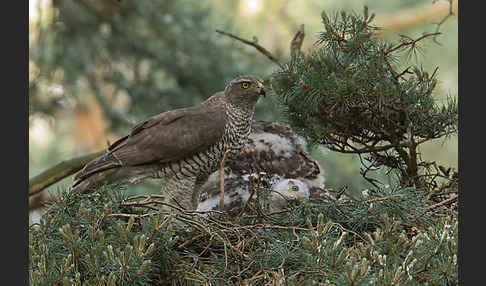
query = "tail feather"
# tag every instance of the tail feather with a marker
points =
(97, 165)
(126, 174)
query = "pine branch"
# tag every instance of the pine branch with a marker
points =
(345, 94)
(318, 239)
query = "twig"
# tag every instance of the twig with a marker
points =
(54, 174)
(253, 190)
(263, 226)
(189, 241)
(366, 150)
(365, 170)
(411, 42)
(221, 180)
(406, 71)
(444, 202)
(379, 199)
(341, 192)
(148, 201)
(130, 215)
(255, 45)
(451, 13)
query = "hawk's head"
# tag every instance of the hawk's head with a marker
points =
(292, 189)
(244, 91)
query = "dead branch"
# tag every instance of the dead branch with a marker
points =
(60, 171)
(39, 200)
(297, 41)
(254, 44)
(451, 13)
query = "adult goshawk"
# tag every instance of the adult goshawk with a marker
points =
(183, 146)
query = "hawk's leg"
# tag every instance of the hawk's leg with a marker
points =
(179, 191)
(196, 194)
(183, 192)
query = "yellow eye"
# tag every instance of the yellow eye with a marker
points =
(245, 85)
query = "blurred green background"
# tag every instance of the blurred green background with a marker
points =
(98, 67)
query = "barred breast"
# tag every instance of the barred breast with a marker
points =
(237, 130)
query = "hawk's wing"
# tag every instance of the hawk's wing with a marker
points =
(170, 136)
(166, 137)
(274, 149)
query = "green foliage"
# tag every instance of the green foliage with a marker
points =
(348, 95)
(78, 240)
(107, 238)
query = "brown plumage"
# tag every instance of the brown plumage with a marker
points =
(181, 146)
(275, 149)
(288, 170)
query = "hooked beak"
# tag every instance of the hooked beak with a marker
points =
(291, 195)
(262, 89)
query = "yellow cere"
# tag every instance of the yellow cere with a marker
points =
(292, 195)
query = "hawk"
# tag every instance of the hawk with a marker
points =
(239, 189)
(274, 158)
(183, 146)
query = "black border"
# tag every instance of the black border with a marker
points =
(470, 143)
(14, 137)
(15, 141)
